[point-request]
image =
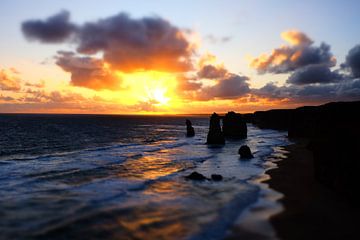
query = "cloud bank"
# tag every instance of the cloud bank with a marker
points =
(54, 29)
(9, 80)
(125, 43)
(114, 44)
(88, 71)
(298, 54)
(121, 43)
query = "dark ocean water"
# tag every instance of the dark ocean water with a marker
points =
(122, 177)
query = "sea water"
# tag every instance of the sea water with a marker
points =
(123, 177)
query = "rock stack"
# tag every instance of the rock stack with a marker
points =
(190, 132)
(245, 152)
(215, 135)
(234, 126)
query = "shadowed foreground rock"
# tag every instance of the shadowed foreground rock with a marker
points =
(245, 152)
(216, 177)
(196, 176)
(190, 132)
(215, 135)
(234, 126)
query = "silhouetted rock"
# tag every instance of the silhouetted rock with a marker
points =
(245, 152)
(196, 176)
(337, 165)
(215, 135)
(234, 126)
(328, 120)
(216, 177)
(333, 130)
(340, 119)
(189, 129)
(273, 119)
(248, 117)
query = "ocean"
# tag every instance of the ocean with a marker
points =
(122, 177)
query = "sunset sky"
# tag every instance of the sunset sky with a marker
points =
(176, 57)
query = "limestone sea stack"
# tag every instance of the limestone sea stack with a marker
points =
(234, 126)
(190, 132)
(215, 135)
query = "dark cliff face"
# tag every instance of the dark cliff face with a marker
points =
(234, 126)
(275, 119)
(328, 120)
(337, 165)
(340, 119)
(333, 131)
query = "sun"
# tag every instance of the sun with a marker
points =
(151, 87)
(158, 96)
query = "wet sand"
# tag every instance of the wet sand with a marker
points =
(311, 211)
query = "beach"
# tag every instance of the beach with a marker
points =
(311, 211)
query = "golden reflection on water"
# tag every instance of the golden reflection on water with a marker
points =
(154, 221)
(167, 190)
(166, 222)
(152, 166)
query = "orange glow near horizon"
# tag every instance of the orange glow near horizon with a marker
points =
(153, 87)
(139, 93)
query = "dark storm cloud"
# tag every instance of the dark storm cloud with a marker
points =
(299, 54)
(296, 93)
(314, 74)
(271, 91)
(127, 44)
(231, 87)
(353, 61)
(87, 71)
(350, 89)
(149, 43)
(54, 29)
(212, 72)
(317, 83)
(188, 84)
(346, 90)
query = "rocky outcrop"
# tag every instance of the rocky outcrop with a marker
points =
(248, 117)
(245, 152)
(328, 120)
(190, 132)
(215, 135)
(234, 126)
(273, 119)
(337, 164)
(196, 176)
(216, 177)
(333, 130)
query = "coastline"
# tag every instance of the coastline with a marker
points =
(311, 211)
(254, 223)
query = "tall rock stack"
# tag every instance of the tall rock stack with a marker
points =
(234, 126)
(190, 132)
(215, 135)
